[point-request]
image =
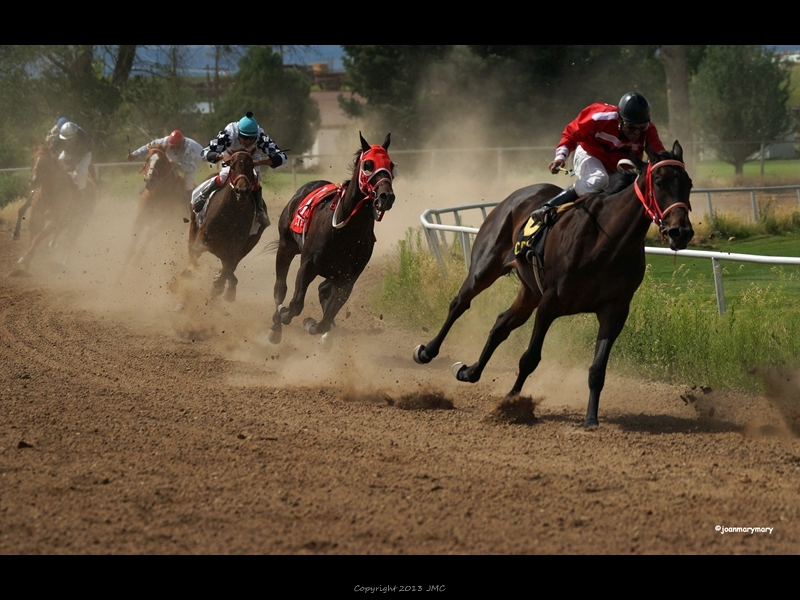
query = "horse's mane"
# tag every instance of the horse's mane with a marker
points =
(619, 181)
(354, 164)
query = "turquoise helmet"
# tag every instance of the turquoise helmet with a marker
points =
(248, 126)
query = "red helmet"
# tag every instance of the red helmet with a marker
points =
(175, 138)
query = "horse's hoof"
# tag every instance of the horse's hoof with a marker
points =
(590, 425)
(419, 355)
(458, 370)
(230, 295)
(310, 325)
(15, 235)
(274, 336)
(325, 341)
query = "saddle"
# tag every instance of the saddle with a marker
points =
(531, 239)
(307, 208)
(530, 245)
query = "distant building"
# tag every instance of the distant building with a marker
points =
(335, 131)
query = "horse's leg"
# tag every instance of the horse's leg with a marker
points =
(21, 215)
(482, 274)
(283, 259)
(517, 314)
(612, 320)
(545, 315)
(194, 251)
(305, 275)
(230, 293)
(325, 289)
(50, 226)
(220, 279)
(337, 296)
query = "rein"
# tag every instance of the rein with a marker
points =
(648, 197)
(151, 169)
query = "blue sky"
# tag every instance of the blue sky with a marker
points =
(199, 57)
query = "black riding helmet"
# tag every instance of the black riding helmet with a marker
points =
(634, 109)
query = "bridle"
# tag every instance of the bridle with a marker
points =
(648, 197)
(150, 166)
(368, 182)
(232, 181)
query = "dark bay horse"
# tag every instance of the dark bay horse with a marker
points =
(229, 230)
(594, 263)
(56, 206)
(162, 203)
(338, 239)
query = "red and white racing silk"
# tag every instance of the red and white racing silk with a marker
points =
(596, 129)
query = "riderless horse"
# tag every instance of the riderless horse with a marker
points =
(331, 226)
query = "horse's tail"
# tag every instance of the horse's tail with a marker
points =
(270, 247)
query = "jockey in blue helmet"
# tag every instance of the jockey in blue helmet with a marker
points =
(244, 134)
(52, 135)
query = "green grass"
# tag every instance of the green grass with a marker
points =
(716, 173)
(738, 278)
(13, 186)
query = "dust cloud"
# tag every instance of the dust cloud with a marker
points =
(146, 292)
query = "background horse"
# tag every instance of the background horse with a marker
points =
(337, 244)
(594, 262)
(162, 203)
(229, 220)
(56, 206)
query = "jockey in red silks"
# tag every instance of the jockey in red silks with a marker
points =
(601, 135)
(183, 152)
(242, 135)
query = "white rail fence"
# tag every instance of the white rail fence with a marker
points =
(435, 233)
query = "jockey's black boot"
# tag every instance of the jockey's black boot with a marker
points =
(261, 208)
(567, 195)
(205, 195)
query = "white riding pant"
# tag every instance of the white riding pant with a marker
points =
(81, 172)
(590, 173)
(188, 172)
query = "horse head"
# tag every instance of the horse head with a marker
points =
(375, 171)
(664, 188)
(242, 174)
(156, 167)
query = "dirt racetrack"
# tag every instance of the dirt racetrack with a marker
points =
(129, 427)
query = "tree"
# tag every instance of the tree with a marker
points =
(390, 77)
(278, 98)
(510, 95)
(739, 98)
